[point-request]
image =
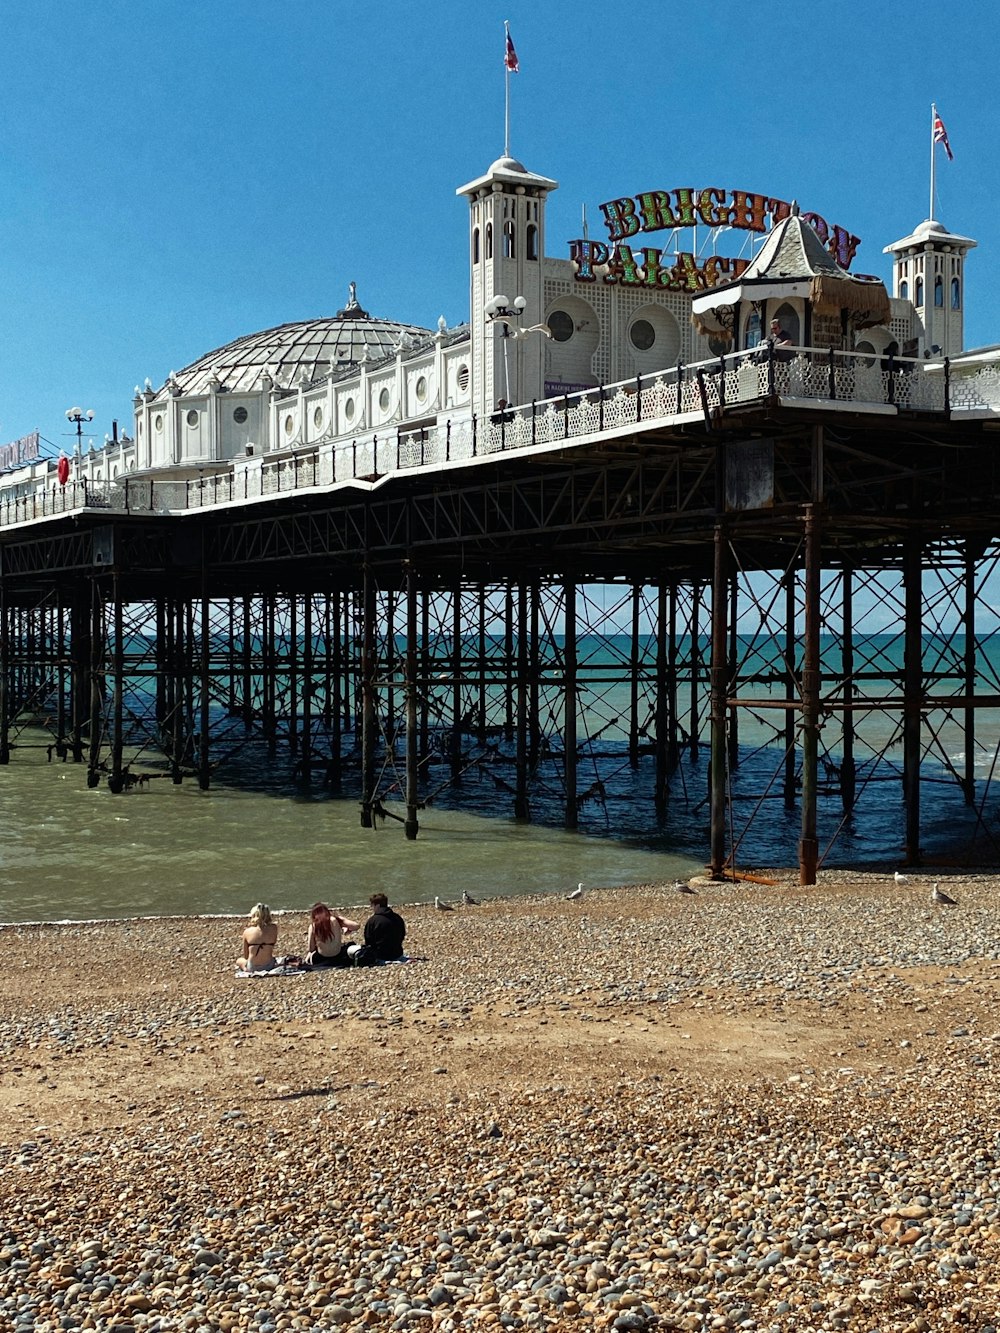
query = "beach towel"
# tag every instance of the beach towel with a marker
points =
(282, 968)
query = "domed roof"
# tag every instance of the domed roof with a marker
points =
(294, 354)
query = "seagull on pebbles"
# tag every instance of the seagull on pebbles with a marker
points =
(441, 906)
(941, 898)
(901, 879)
(577, 893)
(468, 900)
(682, 886)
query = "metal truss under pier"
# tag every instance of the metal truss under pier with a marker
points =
(798, 596)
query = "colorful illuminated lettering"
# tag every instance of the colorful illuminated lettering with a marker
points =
(621, 218)
(748, 211)
(654, 209)
(587, 255)
(711, 207)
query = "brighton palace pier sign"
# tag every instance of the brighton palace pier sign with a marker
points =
(669, 210)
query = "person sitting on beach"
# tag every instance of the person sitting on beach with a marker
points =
(385, 931)
(326, 947)
(259, 939)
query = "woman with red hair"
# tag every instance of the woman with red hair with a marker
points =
(326, 946)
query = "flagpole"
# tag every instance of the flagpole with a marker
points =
(933, 119)
(506, 93)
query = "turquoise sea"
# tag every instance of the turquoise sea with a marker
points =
(69, 852)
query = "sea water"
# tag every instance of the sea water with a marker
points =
(71, 852)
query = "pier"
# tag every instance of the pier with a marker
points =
(395, 614)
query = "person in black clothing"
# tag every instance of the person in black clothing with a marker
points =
(385, 931)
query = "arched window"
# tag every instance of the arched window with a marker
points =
(509, 247)
(475, 245)
(919, 300)
(956, 295)
(938, 291)
(904, 291)
(532, 242)
(489, 240)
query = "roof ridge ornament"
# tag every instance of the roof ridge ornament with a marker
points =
(352, 310)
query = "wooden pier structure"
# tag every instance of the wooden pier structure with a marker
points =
(388, 616)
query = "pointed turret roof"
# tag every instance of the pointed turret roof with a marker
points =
(793, 261)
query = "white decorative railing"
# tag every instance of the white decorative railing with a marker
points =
(710, 387)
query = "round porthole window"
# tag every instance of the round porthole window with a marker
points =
(289, 424)
(192, 418)
(240, 415)
(349, 409)
(318, 418)
(463, 378)
(642, 335)
(383, 400)
(158, 422)
(560, 326)
(421, 390)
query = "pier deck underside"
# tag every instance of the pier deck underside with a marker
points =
(753, 627)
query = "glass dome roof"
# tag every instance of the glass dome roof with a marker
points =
(298, 353)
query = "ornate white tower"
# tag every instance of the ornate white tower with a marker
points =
(929, 270)
(506, 246)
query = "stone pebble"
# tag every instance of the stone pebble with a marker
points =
(855, 1197)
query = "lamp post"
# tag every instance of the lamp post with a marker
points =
(77, 416)
(505, 313)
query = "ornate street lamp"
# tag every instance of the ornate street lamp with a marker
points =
(77, 416)
(505, 313)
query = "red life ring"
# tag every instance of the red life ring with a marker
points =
(62, 470)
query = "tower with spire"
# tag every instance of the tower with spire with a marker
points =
(506, 248)
(928, 268)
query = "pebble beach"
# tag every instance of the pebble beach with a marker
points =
(758, 1106)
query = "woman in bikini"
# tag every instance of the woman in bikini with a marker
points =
(259, 939)
(326, 946)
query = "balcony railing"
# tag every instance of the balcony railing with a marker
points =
(709, 388)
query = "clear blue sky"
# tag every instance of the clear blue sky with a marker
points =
(175, 175)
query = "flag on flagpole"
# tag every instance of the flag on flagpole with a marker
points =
(941, 136)
(510, 55)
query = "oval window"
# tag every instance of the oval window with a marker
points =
(642, 335)
(158, 422)
(463, 378)
(240, 415)
(192, 418)
(349, 409)
(560, 325)
(383, 400)
(289, 424)
(421, 389)
(318, 418)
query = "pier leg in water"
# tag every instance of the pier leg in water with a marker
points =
(412, 656)
(718, 751)
(569, 704)
(368, 701)
(808, 843)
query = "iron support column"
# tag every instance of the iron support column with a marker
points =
(204, 716)
(368, 701)
(718, 714)
(969, 625)
(848, 767)
(411, 826)
(521, 808)
(96, 652)
(912, 692)
(808, 842)
(569, 704)
(116, 778)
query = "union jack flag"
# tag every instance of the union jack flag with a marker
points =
(941, 136)
(510, 57)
